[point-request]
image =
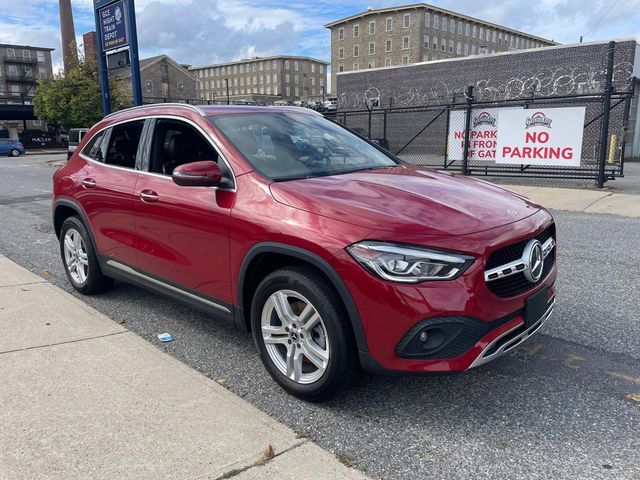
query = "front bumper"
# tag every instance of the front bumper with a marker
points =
(491, 325)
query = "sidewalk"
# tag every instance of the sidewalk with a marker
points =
(578, 200)
(83, 397)
(44, 151)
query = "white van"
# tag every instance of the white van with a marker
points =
(75, 137)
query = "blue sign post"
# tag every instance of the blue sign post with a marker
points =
(117, 32)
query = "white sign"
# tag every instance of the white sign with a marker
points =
(541, 136)
(482, 133)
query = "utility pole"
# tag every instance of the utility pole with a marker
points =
(226, 81)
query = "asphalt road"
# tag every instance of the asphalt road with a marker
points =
(562, 406)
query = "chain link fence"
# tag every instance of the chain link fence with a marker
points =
(445, 136)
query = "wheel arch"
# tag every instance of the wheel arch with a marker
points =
(254, 262)
(64, 208)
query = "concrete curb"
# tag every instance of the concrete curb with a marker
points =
(578, 200)
(83, 397)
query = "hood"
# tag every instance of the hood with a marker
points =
(407, 199)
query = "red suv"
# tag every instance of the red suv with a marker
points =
(334, 253)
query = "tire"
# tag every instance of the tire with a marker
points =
(322, 361)
(15, 152)
(79, 258)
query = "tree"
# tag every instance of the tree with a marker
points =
(73, 99)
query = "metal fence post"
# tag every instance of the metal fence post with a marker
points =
(467, 129)
(606, 107)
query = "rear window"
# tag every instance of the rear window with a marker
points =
(74, 136)
(93, 148)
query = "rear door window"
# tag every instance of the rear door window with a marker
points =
(123, 144)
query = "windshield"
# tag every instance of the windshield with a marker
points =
(289, 145)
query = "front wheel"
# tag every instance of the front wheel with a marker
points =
(79, 258)
(302, 333)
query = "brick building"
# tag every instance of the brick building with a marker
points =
(162, 80)
(89, 46)
(417, 33)
(20, 68)
(262, 79)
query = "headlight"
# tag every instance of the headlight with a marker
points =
(402, 263)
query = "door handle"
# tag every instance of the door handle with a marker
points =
(89, 183)
(148, 196)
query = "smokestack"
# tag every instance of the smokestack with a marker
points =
(68, 34)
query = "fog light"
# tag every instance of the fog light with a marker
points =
(424, 336)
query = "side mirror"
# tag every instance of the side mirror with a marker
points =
(198, 174)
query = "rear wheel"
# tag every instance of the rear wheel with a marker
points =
(79, 258)
(301, 331)
(15, 152)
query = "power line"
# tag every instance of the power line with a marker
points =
(601, 18)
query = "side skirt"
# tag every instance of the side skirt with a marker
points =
(205, 304)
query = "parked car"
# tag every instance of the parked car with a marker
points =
(336, 256)
(330, 105)
(383, 142)
(11, 147)
(75, 138)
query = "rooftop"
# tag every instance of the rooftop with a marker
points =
(413, 6)
(10, 45)
(260, 59)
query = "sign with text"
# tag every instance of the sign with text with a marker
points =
(482, 135)
(113, 30)
(542, 136)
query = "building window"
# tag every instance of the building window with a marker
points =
(372, 48)
(286, 64)
(341, 68)
(288, 89)
(443, 45)
(452, 26)
(474, 31)
(435, 43)
(467, 29)
(481, 33)
(356, 66)
(388, 45)
(444, 24)
(287, 78)
(406, 20)
(466, 49)
(356, 31)
(450, 46)
(40, 56)
(488, 35)
(296, 79)
(11, 53)
(341, 53)
(387, 62)
(372, 28)
(356, 50)
(460, 27)
(426, 41)
(341, 33)
(405, 43)
(459, 48)
(26, 54)
(295, 66)
(436, 21)
(473, 49)
(148, 87)
(405, 59)
(372, 64)
(493, 35)
(389, 24)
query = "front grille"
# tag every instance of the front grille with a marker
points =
(516, 284)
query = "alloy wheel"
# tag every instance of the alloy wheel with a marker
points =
(295, 336)
(75, 256)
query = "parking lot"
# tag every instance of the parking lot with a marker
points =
(564, 405)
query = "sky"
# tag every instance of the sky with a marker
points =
(202, 32)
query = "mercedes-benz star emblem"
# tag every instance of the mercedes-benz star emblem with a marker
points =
(534, 263)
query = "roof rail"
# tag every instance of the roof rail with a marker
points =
(152, 105)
